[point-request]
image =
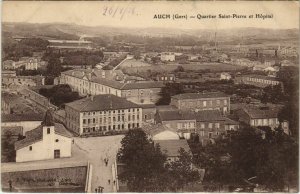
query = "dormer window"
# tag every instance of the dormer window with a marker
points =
(48, 130)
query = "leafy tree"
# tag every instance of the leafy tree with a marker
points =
(179, 69)
(155, 60)
(169, 90)
(60, 94)
(14, 50)
(146, 168)
(273, 160)
(144, 163)
(137, 55)
(181, 171)
(54, 67)
(8, 153)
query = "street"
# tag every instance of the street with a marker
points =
(97, 149)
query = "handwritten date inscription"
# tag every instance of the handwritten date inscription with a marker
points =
(119, 12)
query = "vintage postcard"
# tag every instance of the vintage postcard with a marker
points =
(152, 96)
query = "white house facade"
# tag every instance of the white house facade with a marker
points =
(44, 142)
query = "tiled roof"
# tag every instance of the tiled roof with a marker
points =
(36, 135)
(13, 130)
(21, 117)
(146, 106)
(259, 113)
(200, 95)
(107, 82)
(209, 115)
(61, 113)
(97, 78)
(166, 107)
(171, 147)
(102, 102)
(156, 129)
(230, 121)
(171, 115)
(11, 98)
(142, 85)
(17, 104)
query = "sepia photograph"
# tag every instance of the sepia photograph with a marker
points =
(149, 96)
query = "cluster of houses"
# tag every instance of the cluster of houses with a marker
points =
(206, 115)
(9, 79)
(28, 63)
(116, 102)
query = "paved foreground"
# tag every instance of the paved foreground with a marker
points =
(96, 150)
(84, 150)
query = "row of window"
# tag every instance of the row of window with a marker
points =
(186, 125)
(83, 83)
(210, 125)
(111, 119)
(166, 78)
(210, 134)
(264, 122)
(109, 128)
(111, 111)
(204, 103)
(262, 80)
(191, 125)
(100, 88)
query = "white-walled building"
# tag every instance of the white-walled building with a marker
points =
(225, 76)
(102, 114)
(167, 56)
(161, 132)
(95, 82)
(48, 141)
(262, 116)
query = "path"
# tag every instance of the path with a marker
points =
(97, 149)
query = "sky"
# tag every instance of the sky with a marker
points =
(141, 14)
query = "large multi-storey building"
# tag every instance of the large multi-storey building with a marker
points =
(202, 101)
(211, 124)
(94, 82)
(102, 113)
(208, 124)
(262, 116)
(183, 122)
(257, 80)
